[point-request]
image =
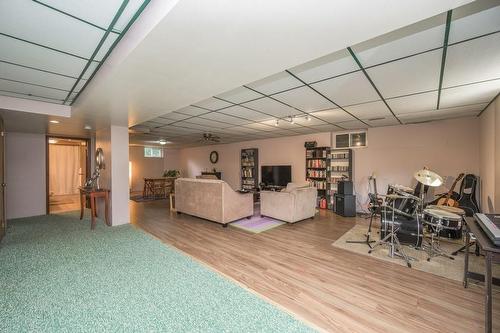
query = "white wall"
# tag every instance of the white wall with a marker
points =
(393, 154)
(25, 171)
(147, 167)
(489, 150)
(277, 151)
(114, 143)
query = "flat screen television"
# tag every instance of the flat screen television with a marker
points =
(276, 175)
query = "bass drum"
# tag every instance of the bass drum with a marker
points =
(410, 230)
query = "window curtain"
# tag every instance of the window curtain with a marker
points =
(64, 171)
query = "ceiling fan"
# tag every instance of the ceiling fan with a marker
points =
(209, 137)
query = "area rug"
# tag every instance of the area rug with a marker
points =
(58, 275)
(140, 198)
(452, 269)
(257, 224)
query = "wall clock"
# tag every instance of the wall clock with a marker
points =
(214, 157)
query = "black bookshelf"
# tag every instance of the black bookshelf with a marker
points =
(340, 164)
(250, 169)
(316, 169)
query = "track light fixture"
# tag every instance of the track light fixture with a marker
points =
(276, 122)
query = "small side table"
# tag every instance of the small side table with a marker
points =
(93, 194)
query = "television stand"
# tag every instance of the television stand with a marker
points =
(275, 188)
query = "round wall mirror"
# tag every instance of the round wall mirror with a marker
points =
(214, 157)
(99, 158)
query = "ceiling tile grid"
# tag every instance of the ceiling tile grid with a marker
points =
(44, 58)
(406, 76)
(348, 89)
(304, 98)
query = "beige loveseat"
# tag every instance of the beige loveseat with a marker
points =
(296, 202)
(213, 200)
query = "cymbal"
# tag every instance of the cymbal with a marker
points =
(428, 177)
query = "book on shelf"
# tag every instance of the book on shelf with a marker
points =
(249, 168)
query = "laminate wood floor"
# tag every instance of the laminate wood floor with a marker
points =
(295, 267)
(64, 203)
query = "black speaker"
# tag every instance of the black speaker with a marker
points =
(345, 205)
(345, 187)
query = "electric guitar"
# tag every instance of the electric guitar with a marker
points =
(448, 200)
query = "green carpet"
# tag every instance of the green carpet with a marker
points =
(58, 275)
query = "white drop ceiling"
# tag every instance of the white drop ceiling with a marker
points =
(49, 49)
(446, 66)
(173, 64)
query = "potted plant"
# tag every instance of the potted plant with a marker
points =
(171, 173)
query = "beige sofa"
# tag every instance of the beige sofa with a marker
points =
(213, 200)
(296, 202)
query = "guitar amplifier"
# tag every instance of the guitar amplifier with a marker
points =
(345, 187)
(345, 205)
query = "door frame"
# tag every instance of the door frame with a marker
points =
(3, 216)
(87, 163)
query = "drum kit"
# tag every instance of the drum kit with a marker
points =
(404, 217)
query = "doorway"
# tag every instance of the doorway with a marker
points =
(68, 164)
(3, 222)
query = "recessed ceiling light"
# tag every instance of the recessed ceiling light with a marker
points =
(163, 142)
(87, 127)
(54, 121)
(52, 141)
(308, 118)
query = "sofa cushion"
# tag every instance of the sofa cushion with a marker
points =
(293, 186)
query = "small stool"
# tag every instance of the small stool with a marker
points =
(93, 194)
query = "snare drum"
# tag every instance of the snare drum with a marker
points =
(451, 233)
(441, 218)
(454, 210)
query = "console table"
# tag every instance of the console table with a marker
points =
(93, 194)
(491, 256)
(158, 187)
(217, 174)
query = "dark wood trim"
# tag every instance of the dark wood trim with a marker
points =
(87, 164)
